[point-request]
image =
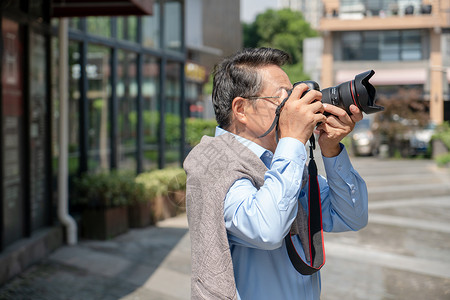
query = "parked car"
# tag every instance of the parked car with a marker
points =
(419, 140)
(362, 138)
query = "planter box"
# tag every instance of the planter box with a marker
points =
(178, 199)
(104, 223)
(140, 215)
(164, 208)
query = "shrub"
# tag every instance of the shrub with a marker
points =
(197, 128)
(105, 190)
(161, 182)
(442, 133)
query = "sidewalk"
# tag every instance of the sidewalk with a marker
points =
(149, 263)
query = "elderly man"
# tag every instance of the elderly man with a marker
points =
(247, 190)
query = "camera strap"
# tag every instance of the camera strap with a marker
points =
(277, 118)
(316, 249)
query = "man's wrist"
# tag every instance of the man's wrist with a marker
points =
(331, 151)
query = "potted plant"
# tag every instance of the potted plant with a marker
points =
(168, 189)
(140, 205)
(159, 193)
(102, 199)
(177, 188)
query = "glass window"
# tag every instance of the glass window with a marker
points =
(150, 28)
(127, 117)
(35, 7)
(74, 23)
(13, 134)
(383, 45)
(150, 113)
(390, 46)
(172, 113)
(411, 45)
(98, 75)
(127, 28)
(351, 44)
(370, 49)
(74, 100)
(99, 26)
(38, 131)
(173, 25)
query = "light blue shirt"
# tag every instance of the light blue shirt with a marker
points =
(258, 220)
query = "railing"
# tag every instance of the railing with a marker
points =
(359, 9)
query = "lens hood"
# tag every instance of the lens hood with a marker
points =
(365, 93)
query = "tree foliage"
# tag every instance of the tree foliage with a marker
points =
(282, 29)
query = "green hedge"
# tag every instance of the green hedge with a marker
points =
(197, 128)
(442, 133)
(111, 189)
(124, 188)
(162, 182)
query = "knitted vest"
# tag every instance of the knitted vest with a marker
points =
(212, 167)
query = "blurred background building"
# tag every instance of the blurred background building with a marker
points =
(311, 10)
(407, 41)
(135, 71)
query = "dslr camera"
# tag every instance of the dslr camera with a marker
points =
(358, 91)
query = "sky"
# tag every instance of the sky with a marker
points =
(251, 8)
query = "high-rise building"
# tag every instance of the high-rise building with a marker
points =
(311, 10)
(406, 42)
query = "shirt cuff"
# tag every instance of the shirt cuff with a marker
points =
(291, 149)
(339, 164)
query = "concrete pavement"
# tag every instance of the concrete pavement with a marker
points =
(150, 263)
(404, 252)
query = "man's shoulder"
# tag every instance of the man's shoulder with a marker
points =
(210, 149)
(223, 150)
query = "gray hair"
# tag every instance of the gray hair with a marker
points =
(238, 76)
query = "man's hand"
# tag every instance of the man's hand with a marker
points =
(338, 125)
(300, 116)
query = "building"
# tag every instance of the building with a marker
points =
(124, 93)
(311, 10)
(213, 31)
(406, 42)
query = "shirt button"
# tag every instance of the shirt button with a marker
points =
(297, 182)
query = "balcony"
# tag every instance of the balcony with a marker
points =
(349, 15)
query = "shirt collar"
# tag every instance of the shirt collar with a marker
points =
(254, 147)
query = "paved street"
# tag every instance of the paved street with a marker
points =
(404, 252)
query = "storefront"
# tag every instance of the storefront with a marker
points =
(126, 100)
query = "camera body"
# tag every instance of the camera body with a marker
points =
(358, 91)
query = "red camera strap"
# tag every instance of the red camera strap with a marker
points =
(316, 249)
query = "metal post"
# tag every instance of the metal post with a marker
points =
(63, 211)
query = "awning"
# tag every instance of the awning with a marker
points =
(84, 8)
(387, 77)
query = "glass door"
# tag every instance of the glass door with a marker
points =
(13, 133)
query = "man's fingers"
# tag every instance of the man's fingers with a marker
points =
(298, 91)
(356, 113)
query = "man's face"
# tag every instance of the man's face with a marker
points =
(261, 108)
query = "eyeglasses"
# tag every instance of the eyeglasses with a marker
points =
(284, 94)
(265, 98)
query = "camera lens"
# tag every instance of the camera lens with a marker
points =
(358, 92)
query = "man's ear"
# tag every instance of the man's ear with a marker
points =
(238, 108)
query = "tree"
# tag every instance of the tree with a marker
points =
(282, 29)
